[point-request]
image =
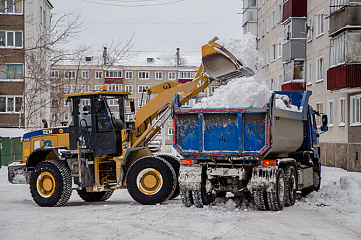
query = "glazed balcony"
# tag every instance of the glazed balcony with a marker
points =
(346, 17)
(294, 8)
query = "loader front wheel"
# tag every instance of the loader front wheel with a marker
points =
(151, 180)
(174, 161)
(94, 196)
(50, 184)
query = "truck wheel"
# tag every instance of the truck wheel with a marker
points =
(94, 196)
(187, 198)
(51, 184)
(276, 197)
(291, 186)
(202, 197)
(260, 200)
(174, 161)
(151, 180)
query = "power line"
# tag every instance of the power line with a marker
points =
(134, 5)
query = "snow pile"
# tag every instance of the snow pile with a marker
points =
(238, 93)
(12, 132)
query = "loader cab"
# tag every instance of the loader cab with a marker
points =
(96, 121)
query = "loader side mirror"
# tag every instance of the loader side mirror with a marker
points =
(324, 127)
(132, 107)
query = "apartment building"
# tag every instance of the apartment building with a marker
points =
(89, 76)
(321, 49)
(21, 23)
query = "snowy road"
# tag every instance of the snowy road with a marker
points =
(332, 213)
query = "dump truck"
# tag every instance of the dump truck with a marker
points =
(98, 152)
(267, 154)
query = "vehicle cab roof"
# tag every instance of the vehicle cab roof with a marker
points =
(109, 93)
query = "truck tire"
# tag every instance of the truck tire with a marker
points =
(187, 198)
(291, 186)
(260, 200)
(276, 197)
(202, 197)
(94, 196)
(175, 162)
(51, 184)
(151, 180)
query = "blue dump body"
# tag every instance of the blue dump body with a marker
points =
(248, 133)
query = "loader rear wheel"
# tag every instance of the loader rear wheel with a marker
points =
(94, 196)
(291, 186)
(151, 180)
(203, 196)
(50, 184)
(174, 161)
(276, 197)
(187, 198)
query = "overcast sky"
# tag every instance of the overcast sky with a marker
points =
(157, 25)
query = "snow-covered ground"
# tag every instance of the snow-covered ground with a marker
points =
(332, 213)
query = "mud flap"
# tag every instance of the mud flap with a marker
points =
(190, 178)
(16, 173)
(263, 178)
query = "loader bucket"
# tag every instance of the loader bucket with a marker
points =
(222, 65)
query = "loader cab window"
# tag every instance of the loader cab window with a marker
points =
(85, 115)
(71, 111)
(109, 111)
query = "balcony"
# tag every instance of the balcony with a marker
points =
(294, 86)
(294, 8)
(345, 76)
(294, 48)
(347, 17)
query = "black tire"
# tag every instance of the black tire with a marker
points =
(94, 196)
(260, 200)
(221, 194)
(276, 197)
(151, 180)
(175, 162)
(291, 186)
(202, 197)
(51, 184)
(187, 198)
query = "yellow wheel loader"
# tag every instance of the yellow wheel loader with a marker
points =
(98, 152)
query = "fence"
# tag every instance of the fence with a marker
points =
(10, 150)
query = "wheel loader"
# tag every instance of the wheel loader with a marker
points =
(97, 152)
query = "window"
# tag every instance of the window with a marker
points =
(268, 23)
(10, 104)
(252, 3)
(128, 117)
(171, 76)
(54, 74)
(319, 108)
(98, 74)
(66, 116)
(273, 52)
(259, 30)
(54, 88)
(287, 31)
(143, 75)
(274, 20)
(213, 88)
(355, 110)
(263, 59)
(337, 50)
(129, 88)
(69, 74)
(336, 5)
(267, 56)
(98, 87)
(158, 75)
(55, 102)
(341, 113)
(114, 87)
(280, 13)
(309, 29)
(320, 23)
(142, 102)
(84, 88)
(185, 75)
(142, 88)
(279, 47)
(319, 69)
(85, 74)
(330, 113)
(170, 131)
(11, 39)
(129, 75)
(203, 91)
(309, 72)
(65, 102)
(113, 74)
(298, 70)
(12, 72)
(69, 88)
(263, 27)
(279, 82)
(11, 6)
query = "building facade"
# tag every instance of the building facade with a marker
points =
(321, 49)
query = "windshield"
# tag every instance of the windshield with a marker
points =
(110, 113)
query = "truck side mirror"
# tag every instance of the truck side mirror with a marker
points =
(132, 107)
(324, 127)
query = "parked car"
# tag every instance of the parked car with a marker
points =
(154, 146)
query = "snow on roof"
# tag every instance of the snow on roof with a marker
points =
(12, 132)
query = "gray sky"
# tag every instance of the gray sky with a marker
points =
(187, 24)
